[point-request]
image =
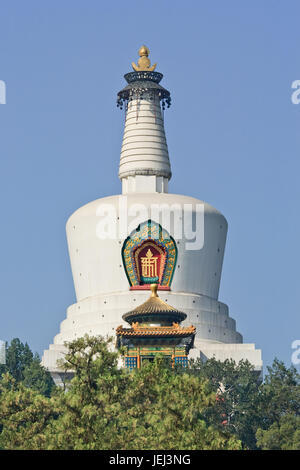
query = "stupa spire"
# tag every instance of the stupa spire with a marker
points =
(143, 63)
(144, 162)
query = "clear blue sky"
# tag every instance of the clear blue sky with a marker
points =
(232, 130)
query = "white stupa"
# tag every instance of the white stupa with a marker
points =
(110, 238)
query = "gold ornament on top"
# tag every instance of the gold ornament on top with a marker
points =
(144, 63)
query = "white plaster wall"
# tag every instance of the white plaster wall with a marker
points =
(101, 285)
(102, 314)
(97, 264)
(222, 352)
(102, 288)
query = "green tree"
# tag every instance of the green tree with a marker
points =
(250, 409)
(208, 406)
(281, 393)
(166, 409)
(25, 367)
(25, 414)
(281, 435)
(18, 356)
(104, 407)
(280, 409)
(238, 402)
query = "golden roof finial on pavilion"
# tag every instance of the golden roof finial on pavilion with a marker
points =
(144, 63)
(153, 290)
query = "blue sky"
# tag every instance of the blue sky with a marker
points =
(232, 130)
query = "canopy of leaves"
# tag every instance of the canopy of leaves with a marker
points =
(105, 407)
(210, 405)
(25, 367)
(283, 434)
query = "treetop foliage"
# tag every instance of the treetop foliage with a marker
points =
(210, 405)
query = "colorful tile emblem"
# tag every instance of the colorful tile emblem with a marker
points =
(149, 256)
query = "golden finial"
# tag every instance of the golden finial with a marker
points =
(154, 290)
(149, 253)
(144, 63)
